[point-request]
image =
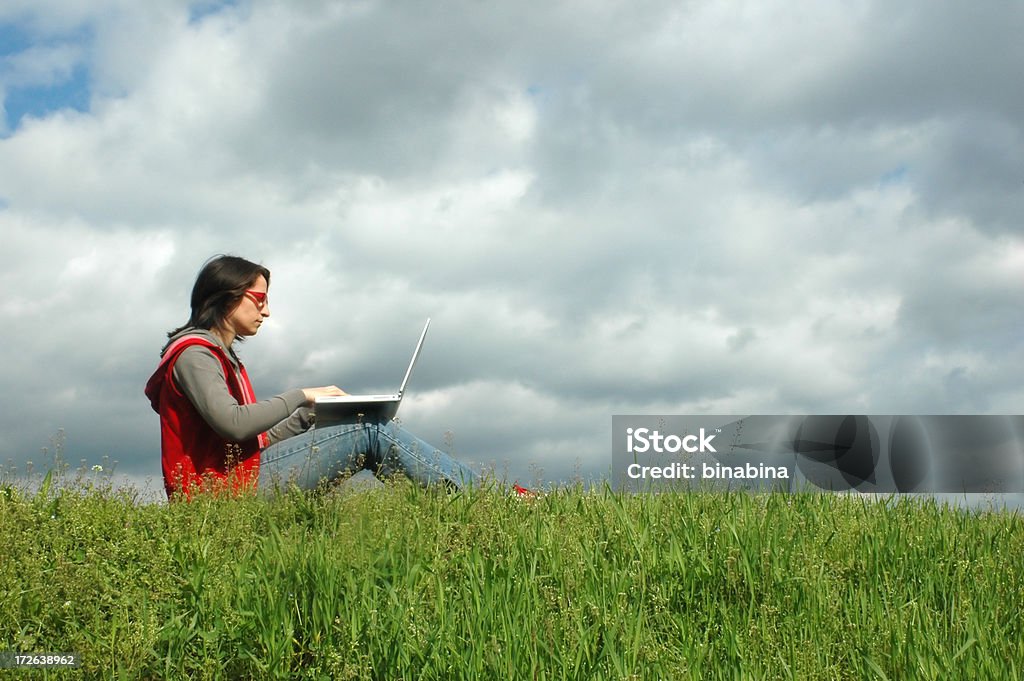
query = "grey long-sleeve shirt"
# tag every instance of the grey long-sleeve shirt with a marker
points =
(200, 375)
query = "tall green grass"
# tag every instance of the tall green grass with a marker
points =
(406, 583)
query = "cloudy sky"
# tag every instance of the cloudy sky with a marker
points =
(722, 207)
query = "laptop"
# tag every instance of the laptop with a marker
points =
(365, 408)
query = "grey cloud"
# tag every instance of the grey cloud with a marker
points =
(974, 169)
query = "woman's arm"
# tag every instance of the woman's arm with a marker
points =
(201, 377)
(297, 423)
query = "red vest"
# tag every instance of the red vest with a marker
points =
(193, 455)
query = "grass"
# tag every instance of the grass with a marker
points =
(407, 583)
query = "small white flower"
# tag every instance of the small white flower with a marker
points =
(98, 468)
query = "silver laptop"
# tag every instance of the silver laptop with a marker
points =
(365, 408)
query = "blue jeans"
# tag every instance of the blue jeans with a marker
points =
(383, 448)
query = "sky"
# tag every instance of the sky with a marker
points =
(642, 207)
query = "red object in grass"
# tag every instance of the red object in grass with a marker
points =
(522, 491)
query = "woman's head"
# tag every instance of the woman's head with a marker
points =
(224, 283)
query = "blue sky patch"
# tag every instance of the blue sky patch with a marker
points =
(200, 10)
(897, 175)
(12, 39)
(37, 101)
(20, 99)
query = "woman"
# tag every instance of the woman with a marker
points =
(213, 431)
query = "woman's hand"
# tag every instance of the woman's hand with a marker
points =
(326, 391)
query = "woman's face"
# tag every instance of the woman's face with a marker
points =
(251, 310)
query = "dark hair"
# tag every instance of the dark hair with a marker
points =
(220, 285)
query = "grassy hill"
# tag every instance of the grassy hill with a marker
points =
(406, 583)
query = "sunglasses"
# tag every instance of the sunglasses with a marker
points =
(258, 297)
